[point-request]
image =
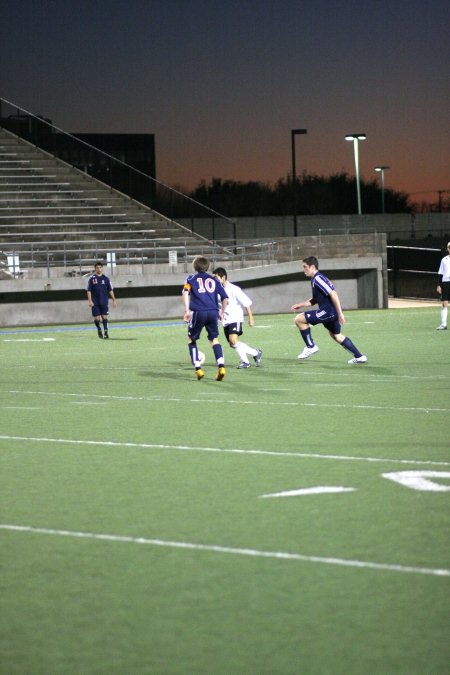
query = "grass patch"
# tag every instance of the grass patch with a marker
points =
(118, 438)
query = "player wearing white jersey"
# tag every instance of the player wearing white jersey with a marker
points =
(233, 320)
(443, 287)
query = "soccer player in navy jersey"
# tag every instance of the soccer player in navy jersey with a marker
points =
(201, 293)
(99, 290)
(329, 313)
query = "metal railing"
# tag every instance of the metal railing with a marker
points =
(66, 257)
(38, 259)
(412, 271)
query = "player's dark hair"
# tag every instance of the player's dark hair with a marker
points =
(200, 263)
(311, 260)
(98, 262)
(220, 272)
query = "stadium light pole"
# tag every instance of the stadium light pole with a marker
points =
(294, 133)
(356, 138)
(382, 169)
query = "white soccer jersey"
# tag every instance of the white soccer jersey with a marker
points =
(444, 268)
(237, 302)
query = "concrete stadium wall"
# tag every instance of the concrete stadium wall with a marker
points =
(360, 282)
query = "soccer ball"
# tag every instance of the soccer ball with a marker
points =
(201, 357)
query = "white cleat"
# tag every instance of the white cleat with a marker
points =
(308, 351)
(359, 359)
(441, 327)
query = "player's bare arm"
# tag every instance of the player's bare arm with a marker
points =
(187, 313)
(223, 308)
(251, 320)
(300, 305)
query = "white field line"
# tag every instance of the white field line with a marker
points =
(237, 451)
(213, 548)
(373, 378)
(214, 399)
(319, 490)
(30, 340)
(271, 390)
(21, 407)
(329, 384)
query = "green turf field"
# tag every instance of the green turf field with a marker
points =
(151, 523)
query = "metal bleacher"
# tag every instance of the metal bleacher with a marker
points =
(57, 220)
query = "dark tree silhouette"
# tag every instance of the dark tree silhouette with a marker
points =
(316, 195)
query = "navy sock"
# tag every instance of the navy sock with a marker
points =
(350, 347)
(193, 353)
(105, 324)
(218, 354)
(97, 323)
(307, 339)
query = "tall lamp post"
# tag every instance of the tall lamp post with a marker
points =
(356, 138)
(382, 169)
(294, 133)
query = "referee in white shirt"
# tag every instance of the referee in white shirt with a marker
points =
(443, 287)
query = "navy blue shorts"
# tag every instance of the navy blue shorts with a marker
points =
(100, 310)
(208, 320)
(330, 321)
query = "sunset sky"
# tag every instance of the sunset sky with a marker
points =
(221, 83)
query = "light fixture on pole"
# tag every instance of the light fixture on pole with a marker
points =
(356, 138)
(294, 133)
(382, 169)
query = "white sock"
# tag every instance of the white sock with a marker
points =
(444, 311)
(240, 347)
(248, 349)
